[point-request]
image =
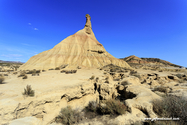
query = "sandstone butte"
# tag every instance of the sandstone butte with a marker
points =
(80, 49)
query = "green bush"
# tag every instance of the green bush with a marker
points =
(68, 116)
(171, 106)
(28, 91)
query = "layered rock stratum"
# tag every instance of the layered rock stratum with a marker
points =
(80, 49)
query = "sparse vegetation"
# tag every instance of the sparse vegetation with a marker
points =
(92, 106)
(97, 79)
(106, 81)
(124, 83)
(78, 67)
(24, 77)
(179, 75)
(181, 80)
(161, 89)
(107, 78)
(22, 73)
(5, 74)
(132, 72)
(172, 106)
(68, 116)
(62, 71)
(1, 79)
(28, 91)
(112, 107)
(57, 68)
(92, 77)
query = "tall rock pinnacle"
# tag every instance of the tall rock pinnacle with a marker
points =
(80, 49)
(88, 26)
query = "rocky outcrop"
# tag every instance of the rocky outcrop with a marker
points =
(132, 60)
(80, 49)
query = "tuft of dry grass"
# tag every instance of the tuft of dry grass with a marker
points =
(28, 91)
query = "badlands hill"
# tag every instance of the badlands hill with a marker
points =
(134, 60)
(80, 49)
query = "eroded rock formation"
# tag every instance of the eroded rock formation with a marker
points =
(80, 49)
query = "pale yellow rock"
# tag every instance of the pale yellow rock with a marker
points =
(80, 49)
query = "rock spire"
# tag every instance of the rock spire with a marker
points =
(88, 26)
(80, 49)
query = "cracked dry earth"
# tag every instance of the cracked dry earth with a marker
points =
(55, 90)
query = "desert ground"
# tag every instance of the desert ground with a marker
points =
(57, 89)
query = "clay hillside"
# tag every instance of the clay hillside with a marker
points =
(78, 50)
(134, 60)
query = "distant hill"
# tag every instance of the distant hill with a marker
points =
(1, 61)
(134, 60)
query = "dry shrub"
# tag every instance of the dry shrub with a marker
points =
(92, 77)
(116, 79)
(74, 71)
(112, 107)
(124, 83)
(1, 79)
(179, 75)
(62, 71)
(161, 89)
(24, 77)
(181, 80)
(97, 79)
(28, 91)
(92, 106)
(172, 106)
(107, 81)
(132, 72)
(57, 68)
(22, 73)
(68, 116)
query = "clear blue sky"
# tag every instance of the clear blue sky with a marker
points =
(145, 28)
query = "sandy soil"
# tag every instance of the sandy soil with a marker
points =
(45, 83)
